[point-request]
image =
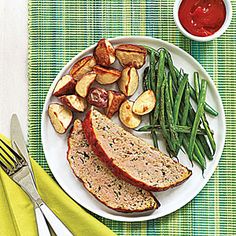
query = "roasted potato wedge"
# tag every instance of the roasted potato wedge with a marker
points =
(82, 86)
(82, 66)
(74, 102)
(131, 55)
(98, 97)
(115, 99)
(104, 53)
(106, 75)
(66, 85)
(127, 117)
(128, 83)
(145, 103)
(60, 117)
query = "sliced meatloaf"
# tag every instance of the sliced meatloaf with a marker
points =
(131, 158)
(99, 180)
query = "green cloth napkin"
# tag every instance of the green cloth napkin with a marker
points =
(17, 213)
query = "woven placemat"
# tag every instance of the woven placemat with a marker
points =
(59, 29)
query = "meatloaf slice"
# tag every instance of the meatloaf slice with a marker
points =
(99, 180)
(131, 158)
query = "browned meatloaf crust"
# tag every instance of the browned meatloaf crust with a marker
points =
(99, 180)
(131, 158)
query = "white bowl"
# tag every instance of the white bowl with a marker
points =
(217, 34)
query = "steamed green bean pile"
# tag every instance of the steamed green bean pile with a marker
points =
(182, 127)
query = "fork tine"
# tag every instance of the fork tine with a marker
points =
(5, 159)
(16, 155)
(4, 166)
(8, 155)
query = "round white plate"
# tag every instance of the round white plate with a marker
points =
(55, 145)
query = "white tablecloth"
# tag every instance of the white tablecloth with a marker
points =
(13, 63)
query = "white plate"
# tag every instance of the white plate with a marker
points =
(55, 145)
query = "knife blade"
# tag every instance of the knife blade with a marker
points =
(18, 141)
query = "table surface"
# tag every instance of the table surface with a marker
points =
(13, 63)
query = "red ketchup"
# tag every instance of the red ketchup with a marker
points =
(202, 17)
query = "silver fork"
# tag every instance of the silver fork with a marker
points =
(18, 170)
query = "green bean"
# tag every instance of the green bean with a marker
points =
(162, 109)
(199, 145)
(185, 110)
(152, 71)
(173, 135)
(201, 138)
(207, 107)
(179, 98)
(146, 84)
(171, 67)
(199, 162)
(160, 77)
(181, 72)
(209, 134)
(150, 49)
(197, 156)
(170, 89)
(186, 105)
(200, 157)
(154, 134)
(196, 85)
(152, 85)
(203, 117)
(178, 129)
(200, 110)
(205, 146)
(162, 117)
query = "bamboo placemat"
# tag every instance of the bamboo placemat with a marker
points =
(59, 29)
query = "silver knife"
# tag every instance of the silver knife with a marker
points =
(41, 208)
(18, 142)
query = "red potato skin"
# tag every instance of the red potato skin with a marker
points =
(116, 209)
(68, 89)
(133, 48)
(78, 65)
(98, 150)
(110, 111)
(51, 120)
(98, 97)
(101, 53)
(65, 102)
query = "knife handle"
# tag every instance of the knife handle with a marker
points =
(58, 227)
(41, 223)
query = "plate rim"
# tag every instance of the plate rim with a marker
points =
(220, 148)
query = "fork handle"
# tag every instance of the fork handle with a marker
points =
(41, 223)
(58, 227)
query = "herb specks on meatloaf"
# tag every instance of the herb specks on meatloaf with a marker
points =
(99, 180)
(130, 157)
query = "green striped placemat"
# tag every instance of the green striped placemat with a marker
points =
(59, 29)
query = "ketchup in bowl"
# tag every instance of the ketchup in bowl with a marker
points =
(202, 17)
